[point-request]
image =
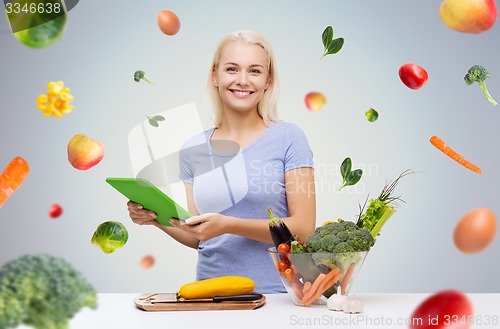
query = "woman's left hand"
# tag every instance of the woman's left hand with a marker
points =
(205, 226)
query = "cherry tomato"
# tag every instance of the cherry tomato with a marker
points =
(283, 247)
(55, 210)
(413, 76)
(445, 309)
(282, 265)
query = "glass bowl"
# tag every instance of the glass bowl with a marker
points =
(311, 278)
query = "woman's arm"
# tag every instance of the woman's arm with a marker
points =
(301, 199)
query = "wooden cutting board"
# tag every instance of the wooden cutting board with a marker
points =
(144, 303)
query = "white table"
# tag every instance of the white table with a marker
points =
(117, 311)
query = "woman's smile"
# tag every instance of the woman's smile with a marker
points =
(241, 93)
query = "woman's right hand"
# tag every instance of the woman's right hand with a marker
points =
(141, 216)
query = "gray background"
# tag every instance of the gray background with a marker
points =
(106, 41)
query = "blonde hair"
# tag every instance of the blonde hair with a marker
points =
(268, 106)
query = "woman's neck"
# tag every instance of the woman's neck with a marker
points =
(241, 128)
(235, 124)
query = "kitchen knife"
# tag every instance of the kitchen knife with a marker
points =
(172, 298)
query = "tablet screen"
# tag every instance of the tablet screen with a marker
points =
(140, 190)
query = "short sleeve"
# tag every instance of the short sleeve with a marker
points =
(185, 170)
(298, 154)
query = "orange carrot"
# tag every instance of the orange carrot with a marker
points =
(313, 289)
(441, 145)
(12, 177)
(328, 281)
(347, 277)
(333, 278)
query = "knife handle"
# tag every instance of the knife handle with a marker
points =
(237, 298)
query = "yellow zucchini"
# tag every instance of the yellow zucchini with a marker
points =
(219, 286)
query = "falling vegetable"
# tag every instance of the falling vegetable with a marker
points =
(42, 292)
(439, 308)
(331, 45)
(55, 210)
(147, 261)
(349, 177)
(110, 236)
(371, 115)
(413, 76)
(479, 74)
(154, 120)
(441, 145)
(12, 177)
(380, 209)
(57, 100)
(140, 75)
(315, 101)
(43, 35)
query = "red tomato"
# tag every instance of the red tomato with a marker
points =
(282, 265)
(168, 22)
(55, 211)
(445, 309)
(283, 247)
(413, 76)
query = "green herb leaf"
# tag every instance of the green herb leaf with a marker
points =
(349, 177)
(152, 122)
(354, 177)
(345, 168)
(335, 46)
(327, 37)
(158, 118)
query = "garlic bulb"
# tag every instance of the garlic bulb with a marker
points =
(352, 304)
(335, 301)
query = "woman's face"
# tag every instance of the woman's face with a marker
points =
(242, 76)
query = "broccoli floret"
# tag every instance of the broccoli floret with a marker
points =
(43, 292)
(313, 243)
(479, 74)
(324, 258)
(296, 247)
(343, 247)
(361, 239)
(341, 236)
(328, 242)
(140, 75)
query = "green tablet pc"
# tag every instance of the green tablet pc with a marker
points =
(140, 190)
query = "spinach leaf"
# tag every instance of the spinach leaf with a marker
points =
(349, 177)
(345, 168)
(154, 120)
(331, 45)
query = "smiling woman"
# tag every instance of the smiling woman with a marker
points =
(241, 61)
(227, 187)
